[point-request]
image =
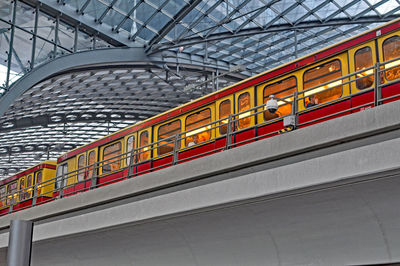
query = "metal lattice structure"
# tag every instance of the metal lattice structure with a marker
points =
(65, 96)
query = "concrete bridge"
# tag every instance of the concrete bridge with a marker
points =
(327, 194)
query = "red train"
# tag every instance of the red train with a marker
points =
(355, 74)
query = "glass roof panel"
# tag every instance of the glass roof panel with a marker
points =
(95, 8)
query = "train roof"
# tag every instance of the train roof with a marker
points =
(41, 165)
(251, 81)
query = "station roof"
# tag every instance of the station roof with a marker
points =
(194, 41)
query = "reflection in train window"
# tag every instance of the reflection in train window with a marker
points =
(2, 196)
(243, 105)
(22, 189)
(144, 153)
(112, 160)
(39, 181)
(199, 133)
(391, 50)
(280, 89)
(322, 74)
(91, 161)
(130, 146)
(81, 166)
(363, 59)
(166, 131)
(224, 111)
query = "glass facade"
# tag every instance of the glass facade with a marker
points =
(30, 37)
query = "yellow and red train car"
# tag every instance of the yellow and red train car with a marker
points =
(355, 74)
(199, 127)
(29, 187)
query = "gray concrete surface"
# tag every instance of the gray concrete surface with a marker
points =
(322, 195)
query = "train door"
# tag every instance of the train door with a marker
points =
(389, 53)
(362, 89)
(244, 120)
(39, 182)
(81, 174)
(21, 190)
(90, 171)
(224, 108)
(61, 177)
(81, 167)
(2, 197)
(130, 153)
(145, 151)
(29, 186)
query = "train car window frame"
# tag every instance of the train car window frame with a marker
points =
(60, 177)
(21, 190)
(10, 193)
(282, 105)
(392, 64)
(117, 160)
(90, 165)
(223, 125)
(199, 133)
(39, 180)
(319, 90)
(366, 82)
(129, 148)
(144, 153)
(81, 168)
(244, 118)
(165, 147)
(3, 196)
(29, 187)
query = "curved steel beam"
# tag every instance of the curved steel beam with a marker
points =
(101, 57)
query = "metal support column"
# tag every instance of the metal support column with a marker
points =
(295, 44)
(377, 89)
(35, 28)
(11, 45)
(56, 41)
(76, 38)
(20, 243)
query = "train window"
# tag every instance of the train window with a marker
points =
(363, 59)
(391, 50)
(29, 185)
(81, 166)
(39, 180)
(144, 152)
(166, 131)
(62, 171)
(200, 133)
(280, 89)
(322, 74)
(243, 105)
(111, 159)
(11, 189)
(91, 161)
(2, 196)
(130, 145)
(21, 189)
(224, 111)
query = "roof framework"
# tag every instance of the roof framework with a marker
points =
(69, 103)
